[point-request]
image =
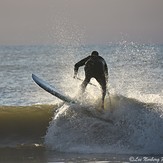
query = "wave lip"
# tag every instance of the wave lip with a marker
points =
(136, 128)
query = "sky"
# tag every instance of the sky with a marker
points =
(28, 22)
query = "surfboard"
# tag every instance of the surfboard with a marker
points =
(52, 90)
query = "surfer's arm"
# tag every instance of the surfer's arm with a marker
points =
(79, 64)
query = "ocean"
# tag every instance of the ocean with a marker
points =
(38, 127)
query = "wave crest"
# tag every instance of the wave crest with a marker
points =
(136, 128)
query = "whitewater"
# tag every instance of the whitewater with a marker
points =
(131, 124)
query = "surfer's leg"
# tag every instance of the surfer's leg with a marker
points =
(84, 84)
(103, 95)
(102, 83)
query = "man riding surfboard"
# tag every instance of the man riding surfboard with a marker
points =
(95, 67)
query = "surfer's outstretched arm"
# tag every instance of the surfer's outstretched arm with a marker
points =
(79, 64)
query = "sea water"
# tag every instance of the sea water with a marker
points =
(33, 120)
(134, 71)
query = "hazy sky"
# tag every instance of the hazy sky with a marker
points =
(80, 21)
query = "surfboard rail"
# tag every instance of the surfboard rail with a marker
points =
(52, 90)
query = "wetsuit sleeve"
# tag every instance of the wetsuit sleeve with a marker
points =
(79, 64)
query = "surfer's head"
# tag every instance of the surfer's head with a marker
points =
(94, 53)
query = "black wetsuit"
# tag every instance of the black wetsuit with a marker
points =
(95, 67)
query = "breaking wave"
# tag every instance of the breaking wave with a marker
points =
(127, 127)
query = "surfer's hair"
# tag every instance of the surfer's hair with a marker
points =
(94, 53)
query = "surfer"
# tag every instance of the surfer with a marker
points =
(95, 67)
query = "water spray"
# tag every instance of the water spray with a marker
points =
(96, 87)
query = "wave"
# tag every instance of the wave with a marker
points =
(127, 127)
(24, 124)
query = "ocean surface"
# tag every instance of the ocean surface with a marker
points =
(38, 127)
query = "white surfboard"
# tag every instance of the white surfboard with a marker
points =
(52, 90)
